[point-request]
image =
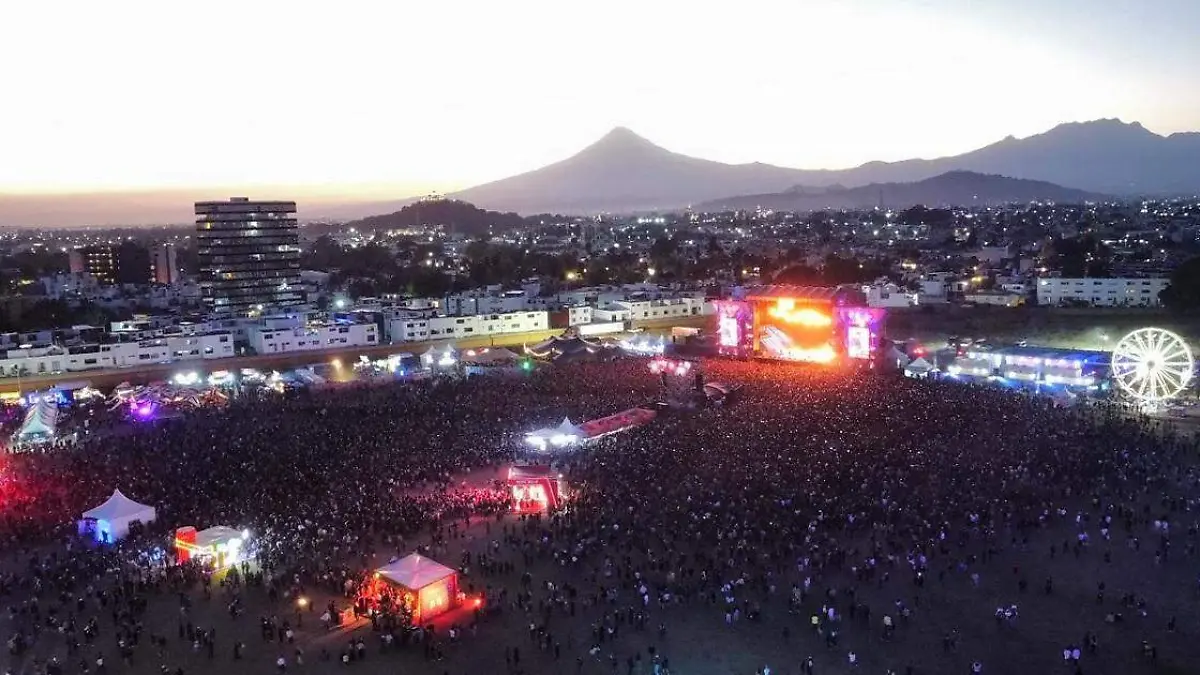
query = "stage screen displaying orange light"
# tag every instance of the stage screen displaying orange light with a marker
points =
(795, 332)
(786, 311)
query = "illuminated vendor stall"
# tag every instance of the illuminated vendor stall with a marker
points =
(221, 546)
(535, 488)
(425, 587)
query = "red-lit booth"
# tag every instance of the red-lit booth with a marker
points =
(427, 587)
(535, 488)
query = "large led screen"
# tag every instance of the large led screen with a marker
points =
(795, 332)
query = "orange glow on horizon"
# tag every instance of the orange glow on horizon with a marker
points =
(785, 310)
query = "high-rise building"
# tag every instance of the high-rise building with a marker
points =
(248, 255)
(165, 264)
(98, 261)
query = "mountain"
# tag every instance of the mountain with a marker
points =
(1106, 156)
(625, 172)
(459, 216)
(954, 188)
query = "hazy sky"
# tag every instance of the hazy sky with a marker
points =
(400, 97)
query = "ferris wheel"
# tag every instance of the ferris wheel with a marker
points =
(1152, 364)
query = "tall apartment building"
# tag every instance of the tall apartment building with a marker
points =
(98, 261)
(248, 255)
(165, 264)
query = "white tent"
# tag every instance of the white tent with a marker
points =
(434, 585)
(111, 520)
(439, 356)
(414, 571)
(566, 433)
(39, 423)
(489, 356)
(918, 367)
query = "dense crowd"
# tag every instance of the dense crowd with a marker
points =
(852, 519)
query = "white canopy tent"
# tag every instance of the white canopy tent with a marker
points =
(489, 356)
(566, 433)
(414, 571)
(111, 520)
(40, 421)
(443, 356)
(918, 367)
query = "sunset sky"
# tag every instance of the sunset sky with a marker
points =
(363, 99)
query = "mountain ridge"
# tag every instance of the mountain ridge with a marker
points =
(953, 188)
(623, 171)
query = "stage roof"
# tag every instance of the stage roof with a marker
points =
(808, 293)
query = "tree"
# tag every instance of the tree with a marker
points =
(1183, 293)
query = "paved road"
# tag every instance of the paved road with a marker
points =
(162, 371)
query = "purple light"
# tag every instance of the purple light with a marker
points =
(143, 411)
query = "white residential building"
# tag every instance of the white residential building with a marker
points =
(116, 355)
(611, 313)
(579, 315)
(311, 337)
(416, 328)
(889, 295)
(669, 308)
(933, 288)
(497, 303)
(1120, 292)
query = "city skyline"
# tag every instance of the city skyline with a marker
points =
(387, 102)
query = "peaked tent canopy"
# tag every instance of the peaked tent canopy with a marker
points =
(487, 356)
(568, 428)
(566, 433)
(40, 422)
(556, 347)
(919, 364)
(414, 571)
(111, 520)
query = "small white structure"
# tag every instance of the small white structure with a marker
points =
(439, 357)
(431, 587)
(489, 356)
(40, 422)
(111, 520)
(563, 435)
(918, 367)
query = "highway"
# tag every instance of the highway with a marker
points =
(164, 371)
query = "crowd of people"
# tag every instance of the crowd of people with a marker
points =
(822, 521)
